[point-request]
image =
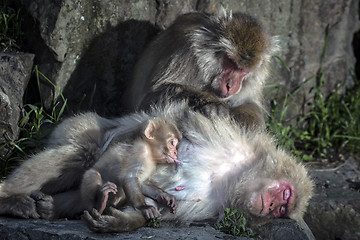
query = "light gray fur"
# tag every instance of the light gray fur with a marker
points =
(222, 164)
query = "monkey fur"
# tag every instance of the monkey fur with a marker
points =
(126, 165)
(219, 64)
(223, 164)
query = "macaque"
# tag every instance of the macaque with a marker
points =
(223, 164)
(125, 166)
(199, 68)
(218, 64)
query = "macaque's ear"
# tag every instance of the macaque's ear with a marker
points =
(150, 130)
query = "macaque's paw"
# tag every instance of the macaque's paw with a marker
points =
(214, 109)
(169, 200)
(44, 205)
(149, 212)
(97, 222)
(107, 188)
(23, 206)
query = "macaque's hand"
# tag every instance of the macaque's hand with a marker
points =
(214, 109)
(249, 114)
(168, 200)
(149, 212)
(107, 188)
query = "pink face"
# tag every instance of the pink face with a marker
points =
(230, 80)
(171, 155)
(275, 200)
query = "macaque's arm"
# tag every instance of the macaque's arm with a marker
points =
(198, 100)
(159, 196)
(248, 114)
(136, 198)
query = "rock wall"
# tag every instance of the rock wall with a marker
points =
(88, 48)
(15, 71)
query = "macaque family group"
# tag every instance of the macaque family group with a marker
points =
(195, 143)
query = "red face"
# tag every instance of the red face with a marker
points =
(276, 200)
(230, 80)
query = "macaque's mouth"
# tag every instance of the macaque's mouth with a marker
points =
(171, 159)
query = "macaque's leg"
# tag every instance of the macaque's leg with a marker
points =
(126, 220)
(249, 115)
(136, 198)
(68, 204)
(90, 187)
(159, 196)
(19, 194)
(19, 205)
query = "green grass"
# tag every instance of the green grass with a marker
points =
(10, 26)
(330, 125)
(234, 223)
(34, 127)
(155, 222)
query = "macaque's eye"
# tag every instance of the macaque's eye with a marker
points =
(282, 210)
(173, 142)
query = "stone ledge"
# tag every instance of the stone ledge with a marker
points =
(23, 229)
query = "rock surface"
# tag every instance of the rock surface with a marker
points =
(15, 229)
(15, 71)
(334, 211)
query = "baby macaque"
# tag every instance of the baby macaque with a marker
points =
(127, 164)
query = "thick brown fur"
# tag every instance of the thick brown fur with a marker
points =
(185, 61)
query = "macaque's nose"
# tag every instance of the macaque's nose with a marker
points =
(272, 206)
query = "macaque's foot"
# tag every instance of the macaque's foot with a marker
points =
(44, 205)
(97, 222)
(149, 212)
(168, 200)
(22, 206)
(116, 221)
(107, 188)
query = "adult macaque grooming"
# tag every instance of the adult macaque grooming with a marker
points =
(125, 166)
(217, 64)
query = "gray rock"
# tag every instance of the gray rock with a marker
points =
(285, 229)
(15, 229)
(334, 211)
(15, 71)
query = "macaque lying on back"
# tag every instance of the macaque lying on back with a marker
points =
(125, 167)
